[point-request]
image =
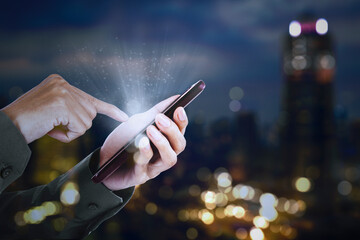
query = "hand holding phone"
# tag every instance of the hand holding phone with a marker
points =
(126, 152)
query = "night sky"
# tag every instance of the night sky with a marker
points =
(225, 43)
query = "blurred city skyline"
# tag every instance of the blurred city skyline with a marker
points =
(227, 44)
(273, 143)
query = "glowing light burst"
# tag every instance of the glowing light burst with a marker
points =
(134, 76)
(143, 77)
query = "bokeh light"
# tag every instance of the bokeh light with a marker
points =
(321, 26)
(194, 190)
(183, 215)
(260, 222)
(50, 208)
(236, 93)
(207, 217)
(59, 223)
(299, 62)
(220, 213)
(235, 106)
(344, 187)
(302, 184)
(224, 180)
(269, 213)
(221, 199)
(256, 234)
(35, 215)
(268, 199)
(294, 29)
(238, 212)
(229, 210)
(327, 62)
(291, 206)
(151, 208)
(191, 233)
(241, 233)
(209, 197)
(70, 194)
(19, 219)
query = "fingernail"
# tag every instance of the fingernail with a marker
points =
(144, 143)
(163, 120)
(182, 115)
(155, 134)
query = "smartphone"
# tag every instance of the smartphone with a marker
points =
(127, 151)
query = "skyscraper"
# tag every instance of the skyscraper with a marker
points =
(307, 122)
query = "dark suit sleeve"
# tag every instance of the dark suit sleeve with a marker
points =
(14, 152)
(96, 203)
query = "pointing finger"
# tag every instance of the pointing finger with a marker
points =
(105, 108)
(110, 110)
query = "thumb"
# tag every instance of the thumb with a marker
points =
(161, 106)
(59, 134)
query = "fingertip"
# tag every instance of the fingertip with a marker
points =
(109, 110)
(119, 115)
(180, 114)
(181, 119)
(145, 152)
(161, 106)
(123, 116)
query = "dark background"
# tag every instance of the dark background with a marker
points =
(227, 44)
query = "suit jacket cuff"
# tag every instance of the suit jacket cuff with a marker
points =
(14, 152)
(97, 203)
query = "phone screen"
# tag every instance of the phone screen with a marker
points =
(126, 152)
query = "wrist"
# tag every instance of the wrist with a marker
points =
(15, 120)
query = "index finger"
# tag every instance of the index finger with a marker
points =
(104, 107)
(109, 110)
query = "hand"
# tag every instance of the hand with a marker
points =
(169, 142)
(56, 108)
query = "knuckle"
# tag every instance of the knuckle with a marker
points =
(92, 100)
(54, 75)
(172, 159)
(88, 124)
(182, 144)
(147, 153)
(162, 144)
(56, 79)
(83, 130)
(59, 101)
(153, 174)
(60, 93)
(93, 113)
